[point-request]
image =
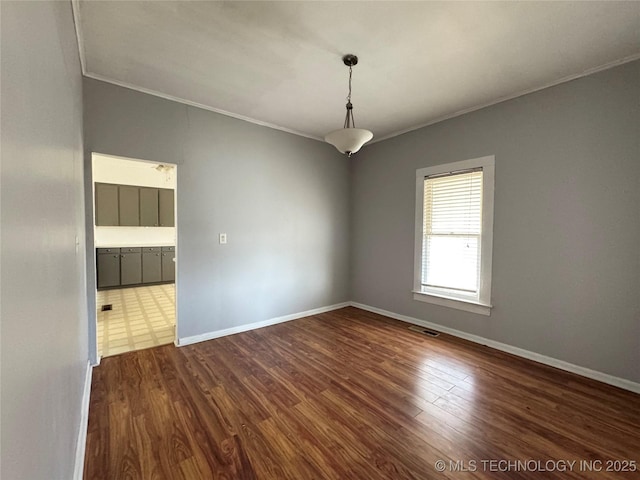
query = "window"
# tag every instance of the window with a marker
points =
(454, 233)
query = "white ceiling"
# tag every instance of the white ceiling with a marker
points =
(279, 63)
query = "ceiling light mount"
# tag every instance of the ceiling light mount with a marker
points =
(349, 139)
(350, 60)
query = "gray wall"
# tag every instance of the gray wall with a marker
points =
(281, 199)
(566, 267)
(44, 324)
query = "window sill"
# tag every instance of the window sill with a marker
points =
(466, 305)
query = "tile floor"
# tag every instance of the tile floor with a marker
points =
(141, 317)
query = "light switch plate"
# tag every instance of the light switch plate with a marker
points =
(223, 238)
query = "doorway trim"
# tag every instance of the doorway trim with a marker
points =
(91, 257)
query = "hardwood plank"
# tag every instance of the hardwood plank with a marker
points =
(347, 394)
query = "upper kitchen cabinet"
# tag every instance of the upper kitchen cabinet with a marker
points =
(107, 205)
(148, 207)
(129, 206)
(133, 206)
(166, 208)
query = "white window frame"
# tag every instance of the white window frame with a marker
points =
(481, 305)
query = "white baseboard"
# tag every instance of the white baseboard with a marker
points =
(81, 444)
(520, 352)
(252, 326)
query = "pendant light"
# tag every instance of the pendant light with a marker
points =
(349, 139)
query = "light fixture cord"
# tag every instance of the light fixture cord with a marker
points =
(350, 75)
(349, 121)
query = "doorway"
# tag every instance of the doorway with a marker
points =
(134, 245)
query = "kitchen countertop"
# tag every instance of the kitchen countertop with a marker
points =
(132, 245)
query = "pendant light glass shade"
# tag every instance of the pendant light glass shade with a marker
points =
(348, 140)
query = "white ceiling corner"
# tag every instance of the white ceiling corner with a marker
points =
(278, 64)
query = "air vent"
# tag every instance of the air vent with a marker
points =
(107, 307)
(424, 331)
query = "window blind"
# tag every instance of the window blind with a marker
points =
(452, 232)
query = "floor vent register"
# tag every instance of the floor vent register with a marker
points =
(424, 331)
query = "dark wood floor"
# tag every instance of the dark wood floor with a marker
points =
(351, 395)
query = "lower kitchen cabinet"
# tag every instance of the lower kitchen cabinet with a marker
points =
(108, 267)
(168, 264)
(134, 266)
(130, 266)
(151, 265)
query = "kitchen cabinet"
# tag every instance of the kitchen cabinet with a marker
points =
(129, 205)
(168, 264)
(135, 266)
(148, 207)
(130, 266)
(166, 207)
(151, 265)
(108, 267)
(132, 206)
(106, 204)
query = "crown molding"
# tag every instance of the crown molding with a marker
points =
(75, 5)
(585, 73)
